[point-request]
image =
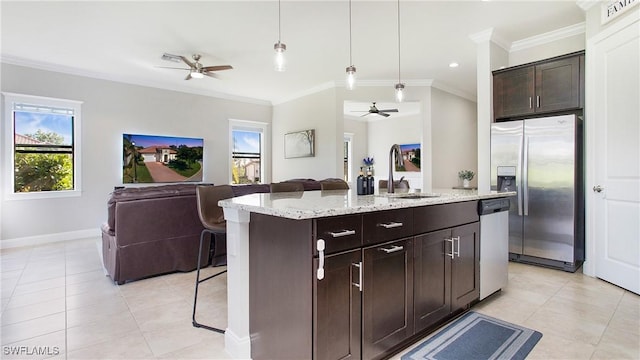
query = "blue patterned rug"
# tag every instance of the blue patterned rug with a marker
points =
(477, 336)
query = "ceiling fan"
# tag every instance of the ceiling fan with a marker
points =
(374, 110)
(196, 70)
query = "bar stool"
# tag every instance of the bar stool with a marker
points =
(212, 218)
(334, 185)
(287, 186)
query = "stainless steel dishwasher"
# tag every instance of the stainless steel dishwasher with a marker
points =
(494, 245)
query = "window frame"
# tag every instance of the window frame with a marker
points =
(9, 146)
(348, 138)
(253, 126)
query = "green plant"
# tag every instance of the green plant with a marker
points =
(466, 174)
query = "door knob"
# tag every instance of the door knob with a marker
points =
(598, 188)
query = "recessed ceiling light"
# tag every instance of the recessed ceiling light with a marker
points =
(454, 65)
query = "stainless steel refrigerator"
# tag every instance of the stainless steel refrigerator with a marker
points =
(541, 159)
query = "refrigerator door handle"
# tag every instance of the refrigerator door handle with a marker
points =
(525, 177)
(519, 187)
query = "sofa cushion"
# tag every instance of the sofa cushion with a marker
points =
(147, 192)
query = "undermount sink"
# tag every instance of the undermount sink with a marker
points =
(410, 195)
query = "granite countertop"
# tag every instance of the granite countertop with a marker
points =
(316, 204)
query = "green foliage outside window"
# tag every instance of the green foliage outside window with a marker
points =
(43, 172)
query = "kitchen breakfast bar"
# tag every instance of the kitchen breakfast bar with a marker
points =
(332, 275)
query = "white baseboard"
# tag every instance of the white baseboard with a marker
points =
(49, 238)
(237, 347)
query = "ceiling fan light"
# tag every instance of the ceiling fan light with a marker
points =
(279, 58)
(197, 74)
(399, 92)
(351, 77)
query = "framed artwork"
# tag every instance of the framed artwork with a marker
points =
(161, 159)
(411, 157)
(299, 144)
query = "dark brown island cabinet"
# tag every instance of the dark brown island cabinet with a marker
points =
(359, 286)
(551, 85)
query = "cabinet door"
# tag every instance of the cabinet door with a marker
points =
(513, 92)
(558, 85)
(432, 278)
(337, 308)
(387, 301)
(465, 267)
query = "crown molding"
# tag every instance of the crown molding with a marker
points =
(303, 93)
(490, 35)
(126, 80)
(586, 5)
(548, 37)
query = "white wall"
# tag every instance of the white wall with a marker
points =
(109, 110)
(455, 143)
(359, 144)
(384, 132)
(316, 111)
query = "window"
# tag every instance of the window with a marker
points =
(247, 152)
(44, 153)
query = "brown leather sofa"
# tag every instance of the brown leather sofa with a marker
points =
(156, 230)
(150, 231)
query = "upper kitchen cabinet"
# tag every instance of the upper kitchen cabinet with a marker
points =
(546, 86)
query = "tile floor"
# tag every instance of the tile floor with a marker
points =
(57, 300)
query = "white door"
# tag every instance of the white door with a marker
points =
(614, 119)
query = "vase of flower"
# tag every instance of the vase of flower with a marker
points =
(466, 176)
(368, 162)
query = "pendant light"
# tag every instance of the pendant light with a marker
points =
(351, 70)
(399, 86)
(279, 47)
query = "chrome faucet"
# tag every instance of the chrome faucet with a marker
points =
(395, 148)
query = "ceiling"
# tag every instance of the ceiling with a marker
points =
(124, 41)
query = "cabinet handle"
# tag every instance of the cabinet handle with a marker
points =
(451, 254)
(391, 225)
(359, 284)
(538, 101)
(457, 239)
(530, 103)
(342, 233)
(392, 249)
(320, 247)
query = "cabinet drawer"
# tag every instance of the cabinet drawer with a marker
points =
(387, 225)
(436, 217)
(339, 233)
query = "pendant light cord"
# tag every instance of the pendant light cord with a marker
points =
(350, 51)
(398, 41)
(279, 31)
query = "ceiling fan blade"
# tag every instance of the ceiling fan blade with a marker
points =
(186, 61)
(359, 111)
(168, 67)
(389, 110)
(365, 114)
(383, 114)
(210, 75)
(217, 68)
(188, 76)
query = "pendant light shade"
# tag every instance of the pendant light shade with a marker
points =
(279, 48)
(399, 86)
(351, 70)
(279, 57)
(399, 92)
(351, 77)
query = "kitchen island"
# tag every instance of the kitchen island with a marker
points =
(330, 274)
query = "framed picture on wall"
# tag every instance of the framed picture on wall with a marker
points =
(299, 144)
(411, 157)
(161, 159)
